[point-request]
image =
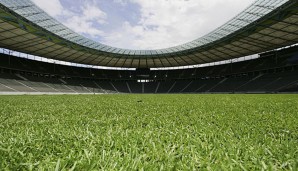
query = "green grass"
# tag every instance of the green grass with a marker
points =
(163, 132)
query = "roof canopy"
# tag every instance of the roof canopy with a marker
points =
(263, 26)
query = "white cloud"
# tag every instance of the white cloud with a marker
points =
(83, 22)
(52, 7)
(163, 23)
(122, 2)
(86, 21)
(166, 23)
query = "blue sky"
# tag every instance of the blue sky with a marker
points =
(143, 24)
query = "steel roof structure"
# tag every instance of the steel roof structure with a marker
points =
(263, 26)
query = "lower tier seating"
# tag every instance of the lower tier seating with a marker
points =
(285, 81)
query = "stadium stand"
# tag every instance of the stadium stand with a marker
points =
(272, 72)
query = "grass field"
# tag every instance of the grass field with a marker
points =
(149, 132)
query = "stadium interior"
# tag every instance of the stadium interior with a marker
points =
(225, 101)
(272, 35)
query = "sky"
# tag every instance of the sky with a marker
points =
(143, 24)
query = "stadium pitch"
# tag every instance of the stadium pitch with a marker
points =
(149, 132)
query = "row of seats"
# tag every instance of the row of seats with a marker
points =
(260, 83)
(273, 72)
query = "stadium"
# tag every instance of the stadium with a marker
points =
(224, 101)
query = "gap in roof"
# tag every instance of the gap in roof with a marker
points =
(143, 24)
